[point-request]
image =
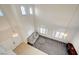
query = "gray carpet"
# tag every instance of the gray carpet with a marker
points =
(50, 46)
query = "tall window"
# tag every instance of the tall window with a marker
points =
(1, 13)
(23, 11)
(31, 10)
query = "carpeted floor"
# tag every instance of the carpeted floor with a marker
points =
(50, 46)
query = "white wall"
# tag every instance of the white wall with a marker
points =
(75, 42)
(25, 23)
(14, 22)
(56, 18)
(5, 29)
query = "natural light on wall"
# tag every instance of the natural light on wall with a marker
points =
(57, 34)
(65, 35)
(23, 11)
(15, 35)
(43, 30)
(31, 10)
(60, 35)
